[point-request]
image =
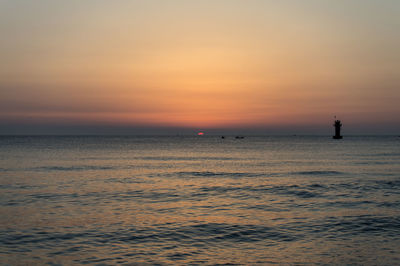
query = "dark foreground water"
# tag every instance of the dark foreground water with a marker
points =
(199, 200)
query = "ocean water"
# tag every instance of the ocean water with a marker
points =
(287, 200)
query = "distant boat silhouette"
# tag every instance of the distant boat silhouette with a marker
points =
(239, 137)
(337, 124)
(222, 137)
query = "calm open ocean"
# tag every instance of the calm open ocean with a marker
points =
(199, 200)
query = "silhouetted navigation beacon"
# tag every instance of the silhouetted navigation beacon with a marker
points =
(337, 126)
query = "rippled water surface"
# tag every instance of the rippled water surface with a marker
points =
(199, 200)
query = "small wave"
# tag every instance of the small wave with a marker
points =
(316, 186)
(291, 190)
(172, 194)
(128, 180)
(374, 163)
(395, 204)
(318, 173)
(202, 234)
(73, 168)
(295, 191)
(93, 198)
(20, 186)
(212, 174)
(208, 233)
(388, 183)
(175, 158)
(367, 224)
(265, 207)
(304, 194)
(384, 154)
(348, 204)
(236, 233)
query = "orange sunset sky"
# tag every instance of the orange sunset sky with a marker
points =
(271, 66)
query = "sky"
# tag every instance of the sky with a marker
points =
(181, 66)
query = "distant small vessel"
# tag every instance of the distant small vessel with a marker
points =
(337, 124)
(222, 137)
(239, 137)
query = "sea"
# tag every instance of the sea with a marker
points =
(199, 200)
